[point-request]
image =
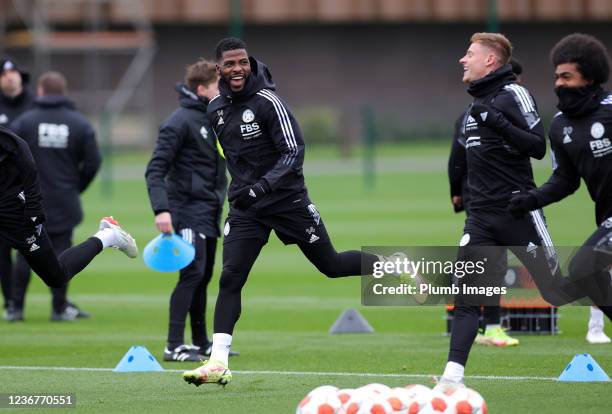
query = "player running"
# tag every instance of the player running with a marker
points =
(581, 141)
(22, 220)
(490, 332)
(503, 131)
(264, 150)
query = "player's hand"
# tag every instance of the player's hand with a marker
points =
(457, 204)
(250, 195)
(163, 222)
(521, 204)
(488, 116)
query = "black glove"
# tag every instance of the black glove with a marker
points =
(521, 204)
(250, 195)
(488, 116)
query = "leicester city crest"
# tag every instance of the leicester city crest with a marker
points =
(248, 116)
(597, 130)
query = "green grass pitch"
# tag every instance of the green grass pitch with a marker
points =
(288, 308)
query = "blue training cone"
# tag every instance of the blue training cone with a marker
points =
(138, 359)
(168, 253)
(583, 368)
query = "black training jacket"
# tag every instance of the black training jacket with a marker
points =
(64, 146)
(11, 108)
(498, 160)
(20, 196)
(186, 174)
(457, 163)
(260, 137)
(582, 147)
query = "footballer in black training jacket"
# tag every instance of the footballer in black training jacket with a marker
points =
(264, 151)
(581, 142)
(503, 130)
(22, 220)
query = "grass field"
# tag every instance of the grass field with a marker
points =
(288, 308)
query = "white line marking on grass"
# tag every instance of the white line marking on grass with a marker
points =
(30, 368)
(301, 373)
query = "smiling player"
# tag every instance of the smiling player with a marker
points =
(264, 150)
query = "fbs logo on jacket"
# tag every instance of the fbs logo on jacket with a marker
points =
(249, 129)
(53, 135)
(601, 147)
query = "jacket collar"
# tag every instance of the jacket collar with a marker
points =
(16, 101)
(492, 82)
(55, 101)
(188, 99)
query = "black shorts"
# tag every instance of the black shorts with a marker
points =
(34, 244)
(487, 234)
(26, 237)
(295, 220)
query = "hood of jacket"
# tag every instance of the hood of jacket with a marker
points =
(492, 82)
(260, 78)
(188, 99)
(51, 101)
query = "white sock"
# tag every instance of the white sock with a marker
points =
(221, 347)
(597, 318)
(106, 236)
(453, 372)
(492, 326)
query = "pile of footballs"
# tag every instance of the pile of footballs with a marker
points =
(380, 399)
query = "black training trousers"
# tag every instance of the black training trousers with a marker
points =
(189, 294)
(296, 220)
(6, 272)
(528, 239)
(34, 244)
(239, 256)
(22, 272)
(590, 267)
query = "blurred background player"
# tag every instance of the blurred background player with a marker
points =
(15, 98)
(22, 219)
(264, 149)
(490, 332)
(66, 153)
(187, 186)
(581, 144)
